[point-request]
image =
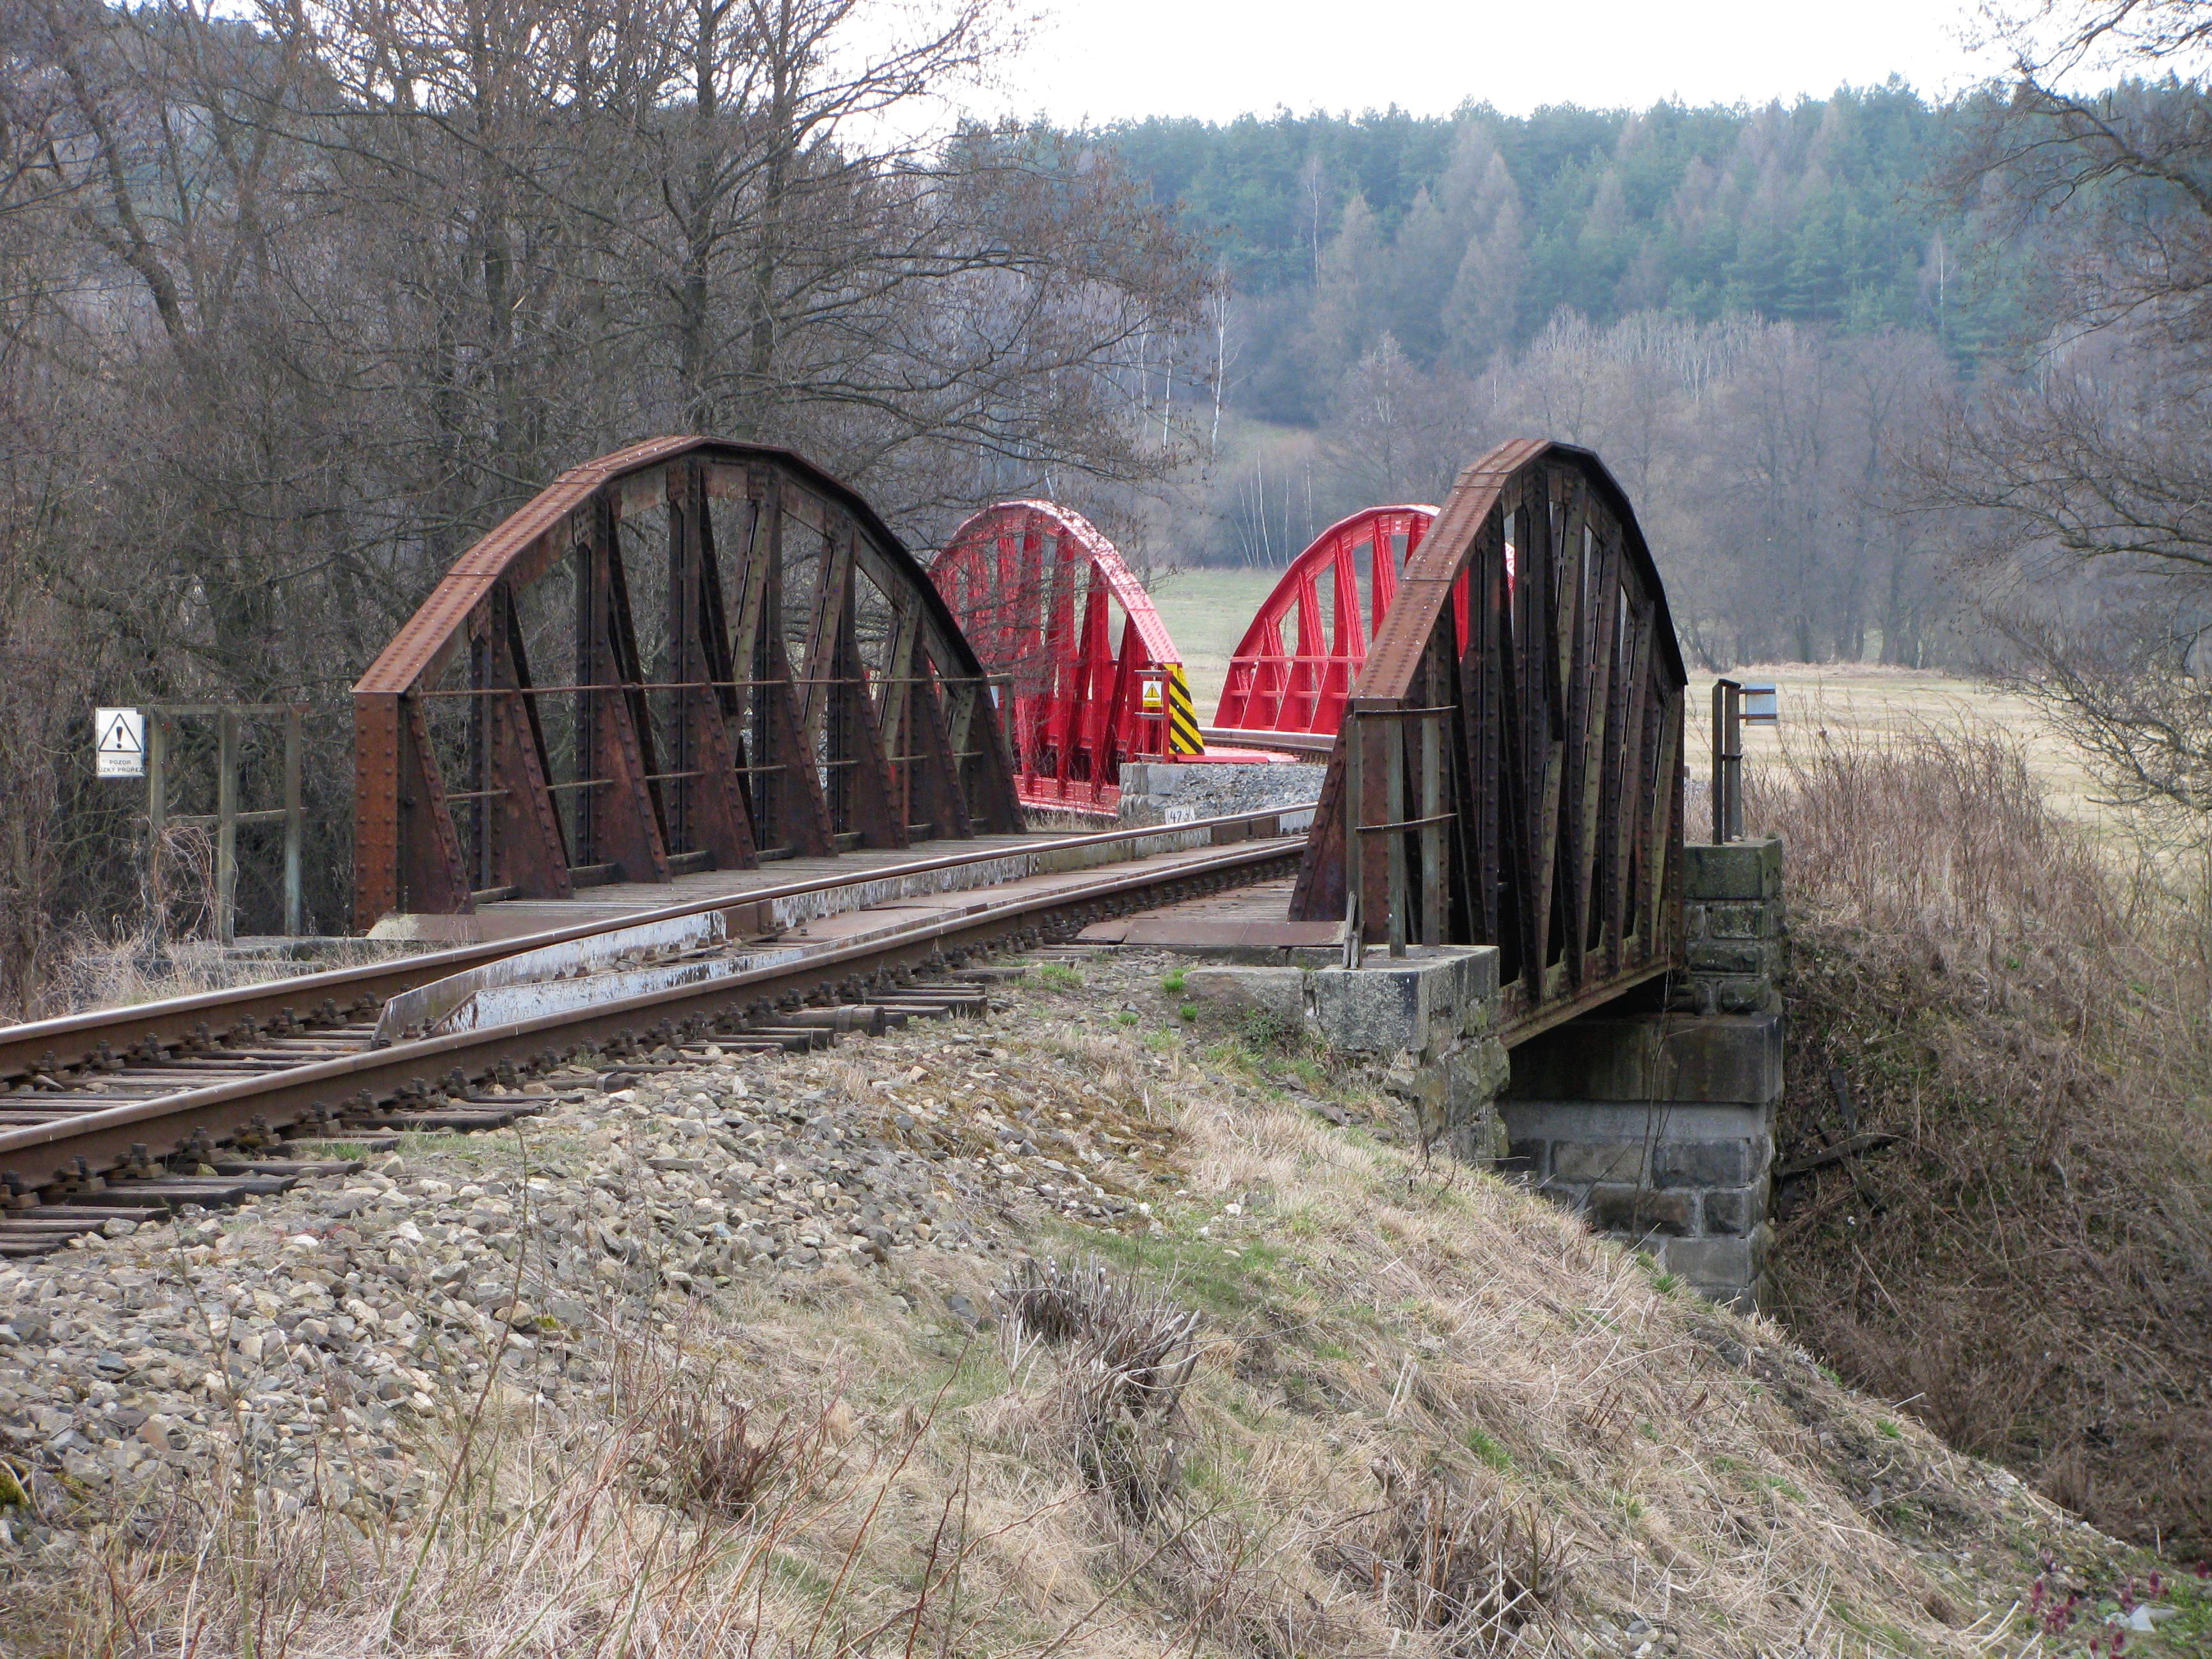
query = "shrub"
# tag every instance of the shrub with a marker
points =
(1126, 1352)
(1452, 1553)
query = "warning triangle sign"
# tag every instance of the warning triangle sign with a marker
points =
(121, 733)
(118, 743)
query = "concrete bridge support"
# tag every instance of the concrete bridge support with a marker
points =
(1656, 1122)
(1659, 1125)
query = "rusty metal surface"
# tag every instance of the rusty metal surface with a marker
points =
(1532, 612)
(790, 683)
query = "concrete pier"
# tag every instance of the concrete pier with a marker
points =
(1658, 1125)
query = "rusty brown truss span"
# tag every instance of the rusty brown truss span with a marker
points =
(797, 686)
(1532, 622)
(44, 1154)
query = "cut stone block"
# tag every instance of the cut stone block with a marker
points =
(1703, 1163)
(1737, 870)
(1736, 1211)
(1715, 1264)
(1581, 1160)
(1638, 1212)
(1425, 1001)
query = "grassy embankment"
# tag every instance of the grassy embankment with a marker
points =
(1337, 1402)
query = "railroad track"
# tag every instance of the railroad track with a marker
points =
(130, 1114)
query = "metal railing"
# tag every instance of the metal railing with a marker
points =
(226, 818)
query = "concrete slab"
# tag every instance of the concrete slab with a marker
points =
(1250, 925)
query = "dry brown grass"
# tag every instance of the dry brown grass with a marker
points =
(2030, 1266)
(1425, 1414)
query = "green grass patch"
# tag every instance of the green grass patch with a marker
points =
(1059, 976)
(429, 1141)
(1889, 1430)
(307, 1151)
(1488, 1449)
(1125, 1018)
(1173, 983)
(1198, 1272)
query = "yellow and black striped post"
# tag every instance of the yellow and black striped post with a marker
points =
(1183, 719)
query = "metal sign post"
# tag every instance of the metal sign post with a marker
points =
(1728, 761)
(226, 818)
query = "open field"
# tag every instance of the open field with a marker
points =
(1864, 701)
(1207, 610)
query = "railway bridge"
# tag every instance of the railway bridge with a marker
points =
(692, 747)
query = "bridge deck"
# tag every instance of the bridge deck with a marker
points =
(1247, 919)
(513, 918)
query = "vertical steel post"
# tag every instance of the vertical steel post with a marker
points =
(157, 816)
(295, 824)
(480, 752)
(1354, 770)
(226, 830)
(1432, 832)
(157, 774)
(1394, 806)
(1728, 761)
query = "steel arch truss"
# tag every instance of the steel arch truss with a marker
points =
(1525, 694)
(1333, 598)
(1035, 587)
(796, 687)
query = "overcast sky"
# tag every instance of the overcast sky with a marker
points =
(1106, 60)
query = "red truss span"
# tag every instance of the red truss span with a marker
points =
(1334, 596)
(1035, 587)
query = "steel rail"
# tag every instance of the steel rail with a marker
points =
(164, 1124)
(1290, 742)
(68, 1042)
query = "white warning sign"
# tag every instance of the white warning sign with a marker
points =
(118, 742)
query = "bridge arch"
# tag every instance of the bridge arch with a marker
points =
(1525, 692)
(1035, 587)
(1332, 597)
(684, 655)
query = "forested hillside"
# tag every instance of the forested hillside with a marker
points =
(1754, 314)
(1463, 235)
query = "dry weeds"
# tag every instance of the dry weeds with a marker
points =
(2031, 1265)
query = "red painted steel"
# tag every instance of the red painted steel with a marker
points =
(1334, 596)
(1034, 586)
